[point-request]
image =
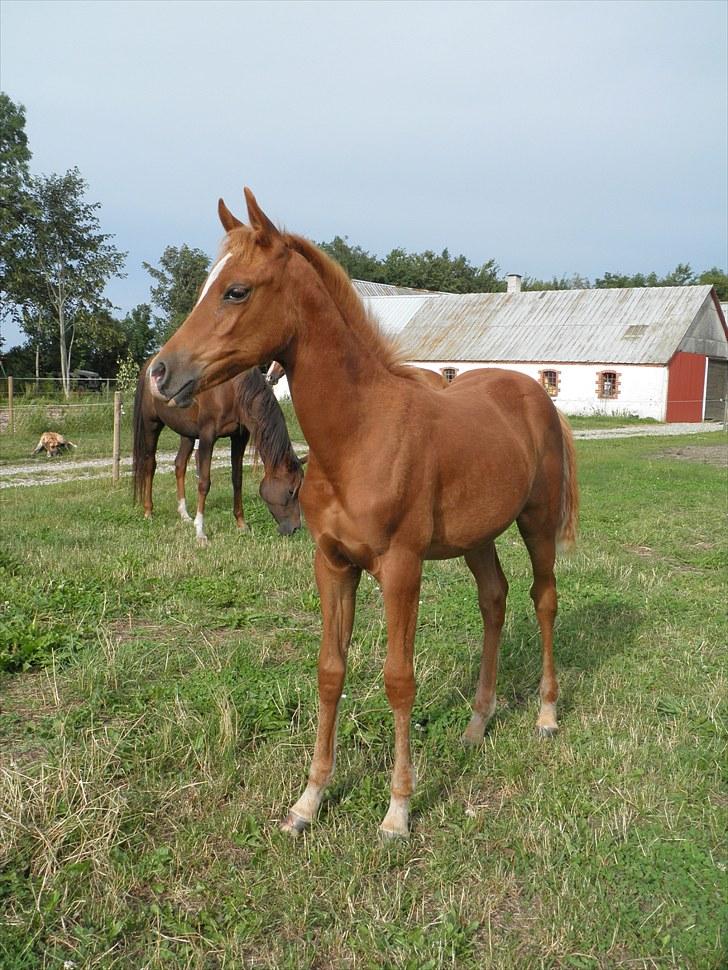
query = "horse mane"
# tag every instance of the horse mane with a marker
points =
(339, 287)
(359, 320)
(264, 418)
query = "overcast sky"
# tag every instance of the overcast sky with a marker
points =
(556, 138)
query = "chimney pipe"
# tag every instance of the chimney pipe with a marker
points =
(513, 283)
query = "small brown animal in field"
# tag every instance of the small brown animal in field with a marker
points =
(53, 444)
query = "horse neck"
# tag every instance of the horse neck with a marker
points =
(337, 375)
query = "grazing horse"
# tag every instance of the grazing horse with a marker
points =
(400, 470)
(234, 409)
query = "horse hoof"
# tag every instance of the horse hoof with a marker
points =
(389, 835)
(472, 738)
(294, 824)
(546, 732)
(203, 541)
(243, 527)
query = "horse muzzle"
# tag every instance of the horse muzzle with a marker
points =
(288, 528)
(171, 383)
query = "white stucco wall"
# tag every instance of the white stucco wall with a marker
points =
(642, 388)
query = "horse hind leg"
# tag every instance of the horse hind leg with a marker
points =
(492, 593)
(541, 544)
(238, 443)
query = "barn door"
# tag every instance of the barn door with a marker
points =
(716, 389)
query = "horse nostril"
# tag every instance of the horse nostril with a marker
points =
(158, 370)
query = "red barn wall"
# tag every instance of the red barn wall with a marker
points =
(686, 387)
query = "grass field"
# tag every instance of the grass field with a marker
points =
(90, 425)
(157, 714)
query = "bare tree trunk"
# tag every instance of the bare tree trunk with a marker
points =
(65, 378)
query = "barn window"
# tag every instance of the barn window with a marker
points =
(550, 380)
(608, 384)
(449, 373)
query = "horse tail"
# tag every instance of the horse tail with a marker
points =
(566, 532)
(138, 440)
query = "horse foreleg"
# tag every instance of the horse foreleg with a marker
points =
(237, 449)
(337, 587)
(400, 578)
(180, 471)
(492, 592)
(203, 487)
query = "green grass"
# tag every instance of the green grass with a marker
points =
(90, 426)
(598, 420)
(168, 714)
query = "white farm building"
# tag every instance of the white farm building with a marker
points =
(657, 352)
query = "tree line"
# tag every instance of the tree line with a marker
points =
(55, 263)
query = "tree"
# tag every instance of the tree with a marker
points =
(14, 198)
(432, 271)
(181, 273)
(682, 275)
(574, 282)
(66, 262)
(423, 271)
(717, 278)
(100, 341)
(358, 263)
(138, 328)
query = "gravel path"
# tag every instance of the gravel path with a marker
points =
(53, 470)
(639, 430)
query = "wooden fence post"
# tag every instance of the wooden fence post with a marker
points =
(117, 437)
(11, 414)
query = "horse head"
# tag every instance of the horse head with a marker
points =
(240, 318)
(279, 490)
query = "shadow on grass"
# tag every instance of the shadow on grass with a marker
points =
(586, 639)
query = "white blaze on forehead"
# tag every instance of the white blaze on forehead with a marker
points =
(214, 273)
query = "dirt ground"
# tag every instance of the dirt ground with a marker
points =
(705, 454)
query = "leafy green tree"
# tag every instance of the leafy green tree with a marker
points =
(717, 278)
(101, 340)
(66, 262)
(181, 272)
(433, 271)
(358, 263)
(14, 191)
(138, 327)
(574, 282)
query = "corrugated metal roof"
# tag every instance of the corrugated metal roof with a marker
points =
(365, 288)
(628, 326)
(394, 312)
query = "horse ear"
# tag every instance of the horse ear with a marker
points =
(259, 220)
(227, 219)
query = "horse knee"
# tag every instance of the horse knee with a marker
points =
(331, 680)
(399, 684)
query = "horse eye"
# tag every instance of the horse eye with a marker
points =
(237, 294)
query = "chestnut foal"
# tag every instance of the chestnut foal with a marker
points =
(400, 470)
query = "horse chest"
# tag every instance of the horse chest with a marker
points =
(342, 529)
